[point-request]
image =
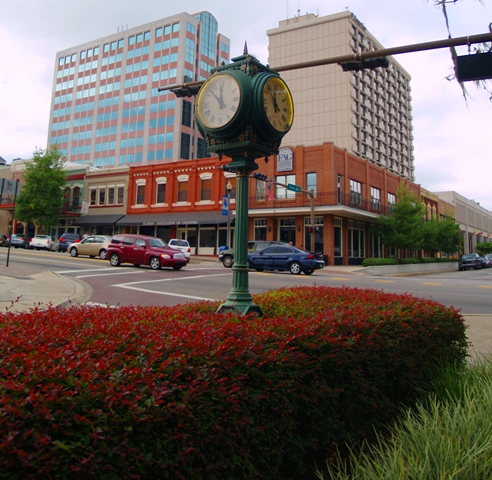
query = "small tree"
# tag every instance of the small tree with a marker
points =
(442, 235)
(41, 198)
(402, 228)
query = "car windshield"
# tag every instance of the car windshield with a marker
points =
(157, 242)
(180, 243)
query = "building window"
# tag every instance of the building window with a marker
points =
(355, 192)
(186, 119)
(391, 201)
(111, 196)
(93, 196)
(120, 197)
(260, 228)
(161, 193)
(337, 238)
(185, 145)
(375, 198)
(66, 199)
(140, 198)
(183, 191)
(311, 182)
(339, 189)
(260, 190)
(282, 192)
(102, 196)
(206, 189)
(356, 233)
(232, 181)
(76, 197)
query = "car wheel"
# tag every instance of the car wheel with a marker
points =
(308, 272)
(227, 261)
(295, 268)
(177, 268)
(102, 254)
(73, 252)
(114, 260)
(155, 263)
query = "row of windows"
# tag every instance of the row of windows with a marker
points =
(112, 59)
(137, 66)
(136, 81)
(159, 31)
(107, 196)
(138, 52)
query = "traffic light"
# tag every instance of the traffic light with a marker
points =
(365, 64)
(260, 176)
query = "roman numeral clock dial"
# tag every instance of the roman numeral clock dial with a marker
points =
(278, 105)
(218, 101)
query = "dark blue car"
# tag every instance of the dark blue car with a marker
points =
(286, 257)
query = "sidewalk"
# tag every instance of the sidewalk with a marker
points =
(22, 289)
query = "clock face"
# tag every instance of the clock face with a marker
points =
(218, 101)
(277, 104)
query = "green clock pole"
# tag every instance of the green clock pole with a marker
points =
(240, 299)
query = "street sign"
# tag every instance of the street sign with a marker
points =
(293, 188)
(225, 205)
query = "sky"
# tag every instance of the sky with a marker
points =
(452, 137)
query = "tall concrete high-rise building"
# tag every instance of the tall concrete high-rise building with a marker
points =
(367, 112)
(106, 109)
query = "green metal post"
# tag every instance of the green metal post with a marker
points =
(240, 299)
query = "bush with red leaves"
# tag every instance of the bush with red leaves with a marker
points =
(186, 393)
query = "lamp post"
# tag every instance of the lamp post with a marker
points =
(229, 188)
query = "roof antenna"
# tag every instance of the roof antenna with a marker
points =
(245, 52)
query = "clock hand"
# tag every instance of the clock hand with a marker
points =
(274, 99)
(219, 99)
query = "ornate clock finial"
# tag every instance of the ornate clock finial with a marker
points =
(245, 52)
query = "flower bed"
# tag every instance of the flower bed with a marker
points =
(184, 392)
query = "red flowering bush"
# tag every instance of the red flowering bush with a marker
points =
(186, 393)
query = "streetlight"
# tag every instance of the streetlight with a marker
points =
(229, 188)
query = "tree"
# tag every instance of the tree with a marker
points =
(402, 229)
(442, 235)
(41, 198)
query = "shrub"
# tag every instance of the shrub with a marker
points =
(371, 262)
(447, 436)
(184, 392)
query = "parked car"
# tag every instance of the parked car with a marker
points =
(487, 260)
(19, 240)
(94, 246)
(286, 257)
(4, 241)
(144, 250)
(226, 256)
(470, 260)
(181, 245)
(66, 239)
(42, 242)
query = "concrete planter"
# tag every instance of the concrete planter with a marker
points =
(412, 269)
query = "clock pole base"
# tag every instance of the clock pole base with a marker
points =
(241, 308)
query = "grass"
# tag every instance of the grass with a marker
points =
(449, 436)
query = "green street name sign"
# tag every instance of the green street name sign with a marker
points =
(293, 188)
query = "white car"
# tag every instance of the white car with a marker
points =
(42, 242)
(182, 245)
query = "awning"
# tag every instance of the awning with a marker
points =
(183, 218)
(98, 220)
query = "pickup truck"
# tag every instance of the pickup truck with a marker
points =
(227, 256)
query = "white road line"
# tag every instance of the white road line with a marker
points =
(106, 274)
(87, 270)
(164, 293)
(174, 279)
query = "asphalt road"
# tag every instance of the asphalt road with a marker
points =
(470, 291)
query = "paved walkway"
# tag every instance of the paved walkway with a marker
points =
(22, 289)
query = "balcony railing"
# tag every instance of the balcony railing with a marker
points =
(331, 199)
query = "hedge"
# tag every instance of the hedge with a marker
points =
(186, 393)
(372, 262)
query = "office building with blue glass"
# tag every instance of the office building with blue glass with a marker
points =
(106, 109)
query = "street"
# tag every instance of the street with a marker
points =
(470, 291)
